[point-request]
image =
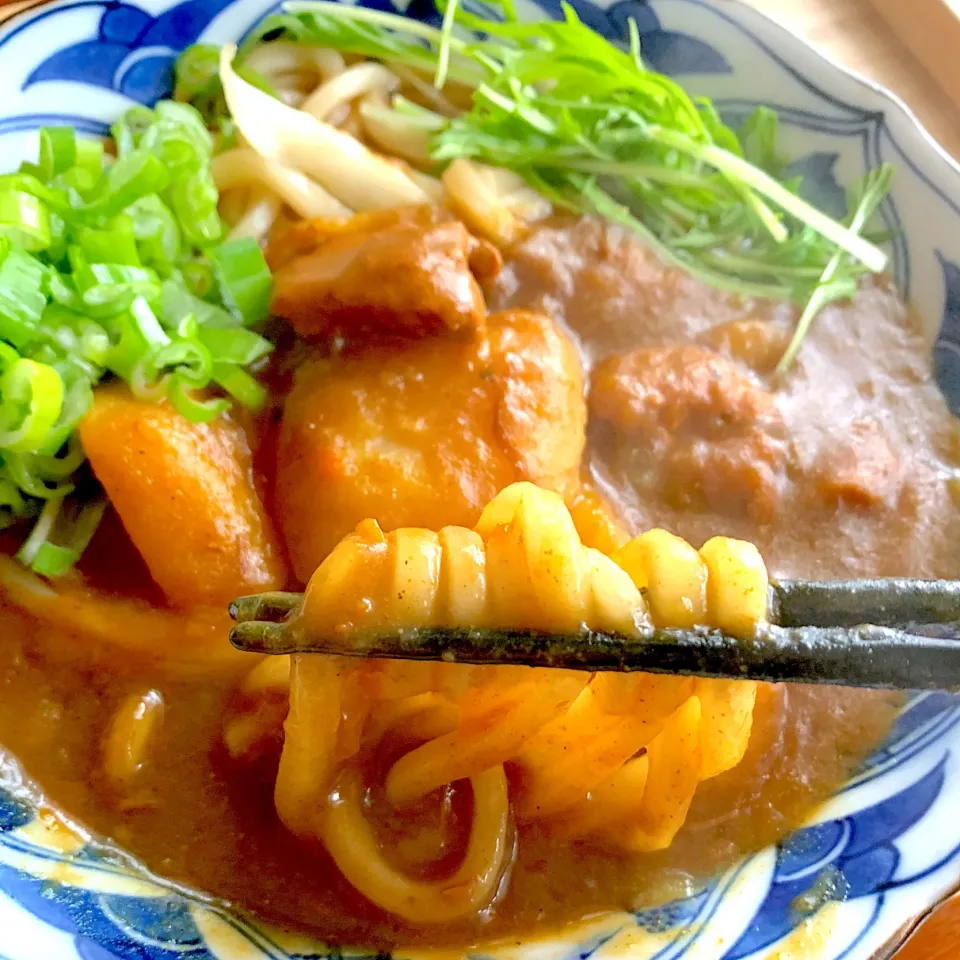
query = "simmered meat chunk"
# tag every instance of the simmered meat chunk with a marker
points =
(665, 391)
(740, 475)
(759, 344)
(426, 433)
(863, 471)
(712, 433)
(405, 273)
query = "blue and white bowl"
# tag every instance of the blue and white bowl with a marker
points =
(891, 837)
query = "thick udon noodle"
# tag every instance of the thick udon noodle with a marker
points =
(334, 148)
(614, 757)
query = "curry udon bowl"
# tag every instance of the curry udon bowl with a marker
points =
(858, 872)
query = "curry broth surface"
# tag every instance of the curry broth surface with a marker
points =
(205, 822)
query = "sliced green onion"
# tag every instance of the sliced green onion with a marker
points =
(8, 356)
(145, 384)
(245, 389)
(196, 67)
(79, 185)
(136, 175)
(22, 469)
(55, 198)
(194, 201)
(128, 130)
(76, 405)
(102, 269)
(32, 395)
(12, 504)
(138, 333)
(24, 219)
(41, 530)
(147, 324)
(53, 560)
(90, 158)
(157, 233)
(60, 289)
(31, 170)
(58, 150)
(177, 302)
(22, 299)
(187, 327)
(187, 405)
(75, 336)
(245, 281)
(61, 465)
(111, 287)
(199, 277)
(114, 242)
(179, 140)
(236, 346)
(190, 359)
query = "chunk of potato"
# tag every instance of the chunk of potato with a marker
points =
(541, 415)
(426, 434)
(185, 494)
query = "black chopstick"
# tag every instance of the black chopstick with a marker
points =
(890, 602)
(837, 648)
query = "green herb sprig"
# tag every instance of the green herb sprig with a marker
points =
(592, 128)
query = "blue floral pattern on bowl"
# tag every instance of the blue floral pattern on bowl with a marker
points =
(886, 847)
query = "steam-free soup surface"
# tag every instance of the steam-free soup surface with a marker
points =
(840, 471)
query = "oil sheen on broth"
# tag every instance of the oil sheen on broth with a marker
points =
(841, 472)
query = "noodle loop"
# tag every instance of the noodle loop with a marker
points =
(616, 757)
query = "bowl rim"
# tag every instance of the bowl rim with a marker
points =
(877, 88)
(13, 12)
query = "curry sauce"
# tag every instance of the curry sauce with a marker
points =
(842, 469)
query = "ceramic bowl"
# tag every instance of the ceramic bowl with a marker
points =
(891, 836)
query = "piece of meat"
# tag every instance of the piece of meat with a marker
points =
(864, 471)
(399, 273)
(714, 435)
(424, 434)
(742, 475)
(661, 392)
(185, 494)
(758, 344)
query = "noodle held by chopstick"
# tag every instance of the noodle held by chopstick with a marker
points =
(617, 757)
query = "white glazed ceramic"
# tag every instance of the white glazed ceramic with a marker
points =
(892, 834)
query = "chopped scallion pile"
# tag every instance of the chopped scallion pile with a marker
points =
(592, 128)
(114, 268)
